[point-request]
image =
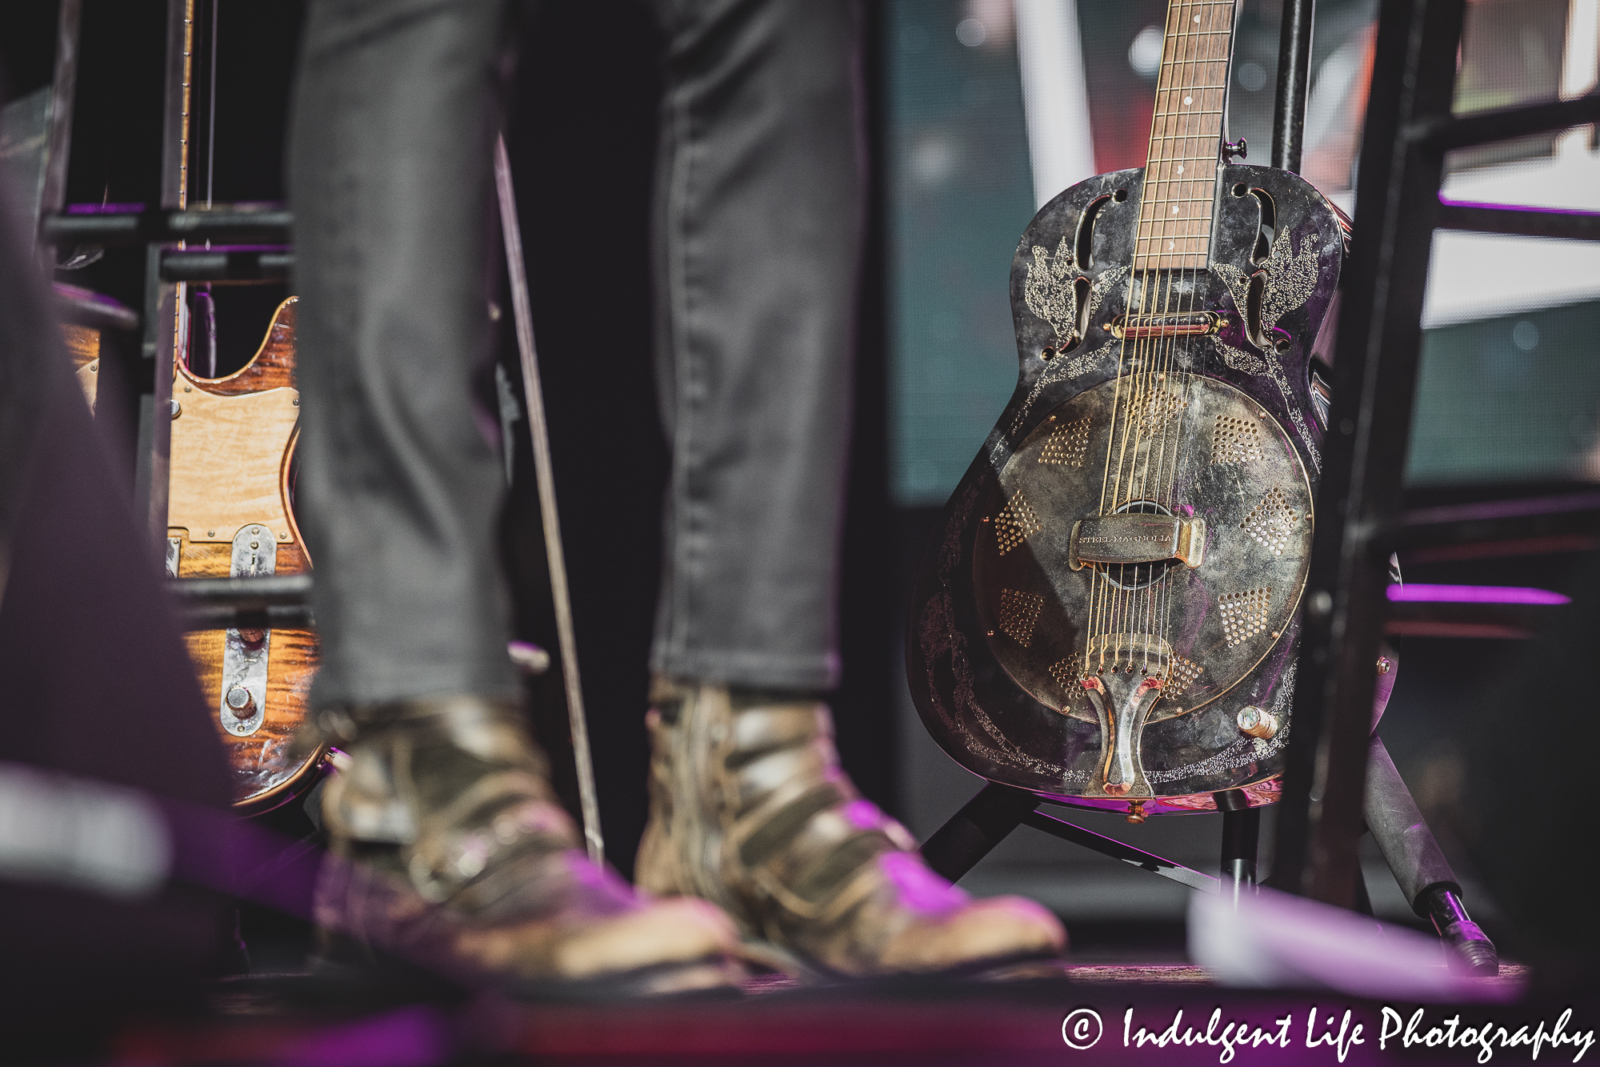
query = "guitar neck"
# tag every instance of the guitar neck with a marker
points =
(1185, 137)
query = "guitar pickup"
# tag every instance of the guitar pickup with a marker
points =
(1137, 537)
(1187, 324)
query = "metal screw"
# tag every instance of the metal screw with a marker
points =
(177, 408)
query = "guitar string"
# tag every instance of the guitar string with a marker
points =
(1156, 292)
(1138, 392)
(1159, 386)
(1173, 183)
(1156, 295)
(1173, 261)
(1156, 394)
(1162, 595)
(1225, 16)
(1142, 389)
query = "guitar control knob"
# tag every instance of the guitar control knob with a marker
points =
(1257, 722)
(241, 703)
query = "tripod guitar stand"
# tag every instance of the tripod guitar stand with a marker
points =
(1402, 835)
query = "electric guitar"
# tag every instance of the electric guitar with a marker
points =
(1107, 614)
(230, 513)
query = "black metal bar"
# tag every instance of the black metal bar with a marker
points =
(164, 300)
(270, 591)
(1294, 79)
(1420, 868)
(226, 264)
(1566, 523)
(1489, 621)
(63, 94)
(272, 617)
(1401, 833)
(971, 833)
(234, 224)
(155, 412)
(244, 603)
(1241, 835)
(1442, 132)
(1117, 850)
(85, 308)
(1520, 221)
(1375, 373)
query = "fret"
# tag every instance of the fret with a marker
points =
(1175, 227)
(1198, 229)
(1178, 136)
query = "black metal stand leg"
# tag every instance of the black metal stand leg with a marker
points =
(957, 846)
(1419, 866)
(1241, 834)
(971, 833)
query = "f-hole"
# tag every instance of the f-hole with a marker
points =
(1080, 290)
(1268, 230)
(1255, 296)
(1084, 242)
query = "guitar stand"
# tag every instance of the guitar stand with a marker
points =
(1392, 817)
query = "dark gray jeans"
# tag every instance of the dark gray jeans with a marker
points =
(756, 246)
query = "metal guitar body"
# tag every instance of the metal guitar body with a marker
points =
(1107, 614)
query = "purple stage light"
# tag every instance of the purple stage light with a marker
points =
(1473, 594)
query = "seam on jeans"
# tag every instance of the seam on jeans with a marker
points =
(686, 547)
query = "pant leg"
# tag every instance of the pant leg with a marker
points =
(395, 111)
(758, 222)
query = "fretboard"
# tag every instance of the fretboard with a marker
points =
(1185, 136)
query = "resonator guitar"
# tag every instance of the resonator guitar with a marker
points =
(1107, 614)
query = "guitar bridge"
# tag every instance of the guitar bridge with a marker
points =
(1189, 324)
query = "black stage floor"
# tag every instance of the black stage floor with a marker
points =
(1063, 1014)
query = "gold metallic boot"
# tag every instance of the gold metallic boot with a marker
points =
(750, 809)
(452, 851)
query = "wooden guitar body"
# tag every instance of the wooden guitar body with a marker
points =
(229, 513)
(1107, 614)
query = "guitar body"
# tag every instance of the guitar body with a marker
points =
(1107, 614)
(229, 513)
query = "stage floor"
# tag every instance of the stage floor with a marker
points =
(298, 1020)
